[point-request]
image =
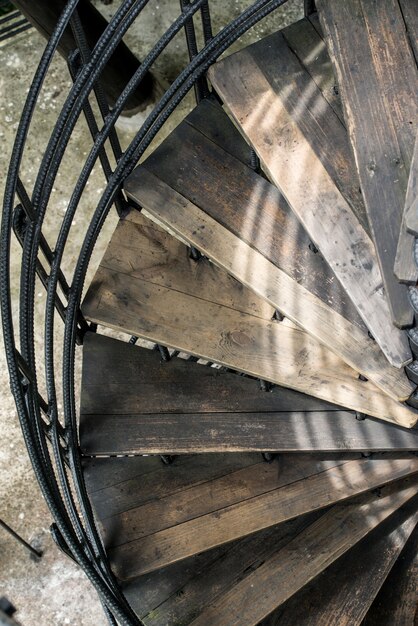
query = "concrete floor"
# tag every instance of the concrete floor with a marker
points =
(53, 591)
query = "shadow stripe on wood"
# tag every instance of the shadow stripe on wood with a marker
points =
(265, 279)
(397, 601)
(207, 531)
(153, 407)
(339, 596)
(294, 131)
(207, 497)
(256, 215)
(343, 593)
(175, 309)
(297, 563)
(411, 201)
(197, 584)
(381, 115)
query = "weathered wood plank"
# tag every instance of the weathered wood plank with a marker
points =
(297, 563)
(294, 130)
(305, 40)
(255, 211)
(410, 15)
(207, 531)
(343, 593)
(197, 588)
(207, 497)
(138, 381)
(397, 602)
(406, 268)
(411, 201)
(129, 490)
(152, 407)
(326, 431)
(252, 269)
(369, 39)
(250, 208)
(173, 305)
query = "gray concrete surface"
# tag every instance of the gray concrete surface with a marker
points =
(53, 591)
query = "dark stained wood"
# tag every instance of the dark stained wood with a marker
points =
(410, 15)
(176, 407)
(138, 381)
(209, 119)
(206, 494)
(147, 285)
(343, 593)
(326, 431)
(129, 488)
(301, 560)
(153, 551)
(369, 39)
(397, 602)
(194, 584)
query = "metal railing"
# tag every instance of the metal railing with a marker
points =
(51, 434)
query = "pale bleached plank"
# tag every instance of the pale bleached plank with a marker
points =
(297, 563)
(292, 127)
(369, 39)
(411, 201)
(265, 279)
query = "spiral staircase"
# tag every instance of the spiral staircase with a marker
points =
(243, 450)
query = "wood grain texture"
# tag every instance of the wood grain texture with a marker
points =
(237, 520)
(305, 40)
(153, 407)
(411, 202)
(343, 593)
(175, 304)
(372, 36)
(297, 563)
(252, 269)
(410, 15)
(294, 130)
(397, 602)
(138, 381)
(249, 207)
(255, 212)
(197, 584)
(207, 494)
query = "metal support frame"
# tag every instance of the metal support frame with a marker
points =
(97, 63)
(19, 539)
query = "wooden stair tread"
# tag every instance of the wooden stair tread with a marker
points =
(298, 562)
(381, 115)
(243, 212)
(343, 593)
(397, 602)
(178, 593)
(179, 406)
(243, 202)
(411, 201)
(187, 587)
(254, 270)
(284, 115)
(410, 16)
(252, 215)
(152, 536)
(147, 285)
